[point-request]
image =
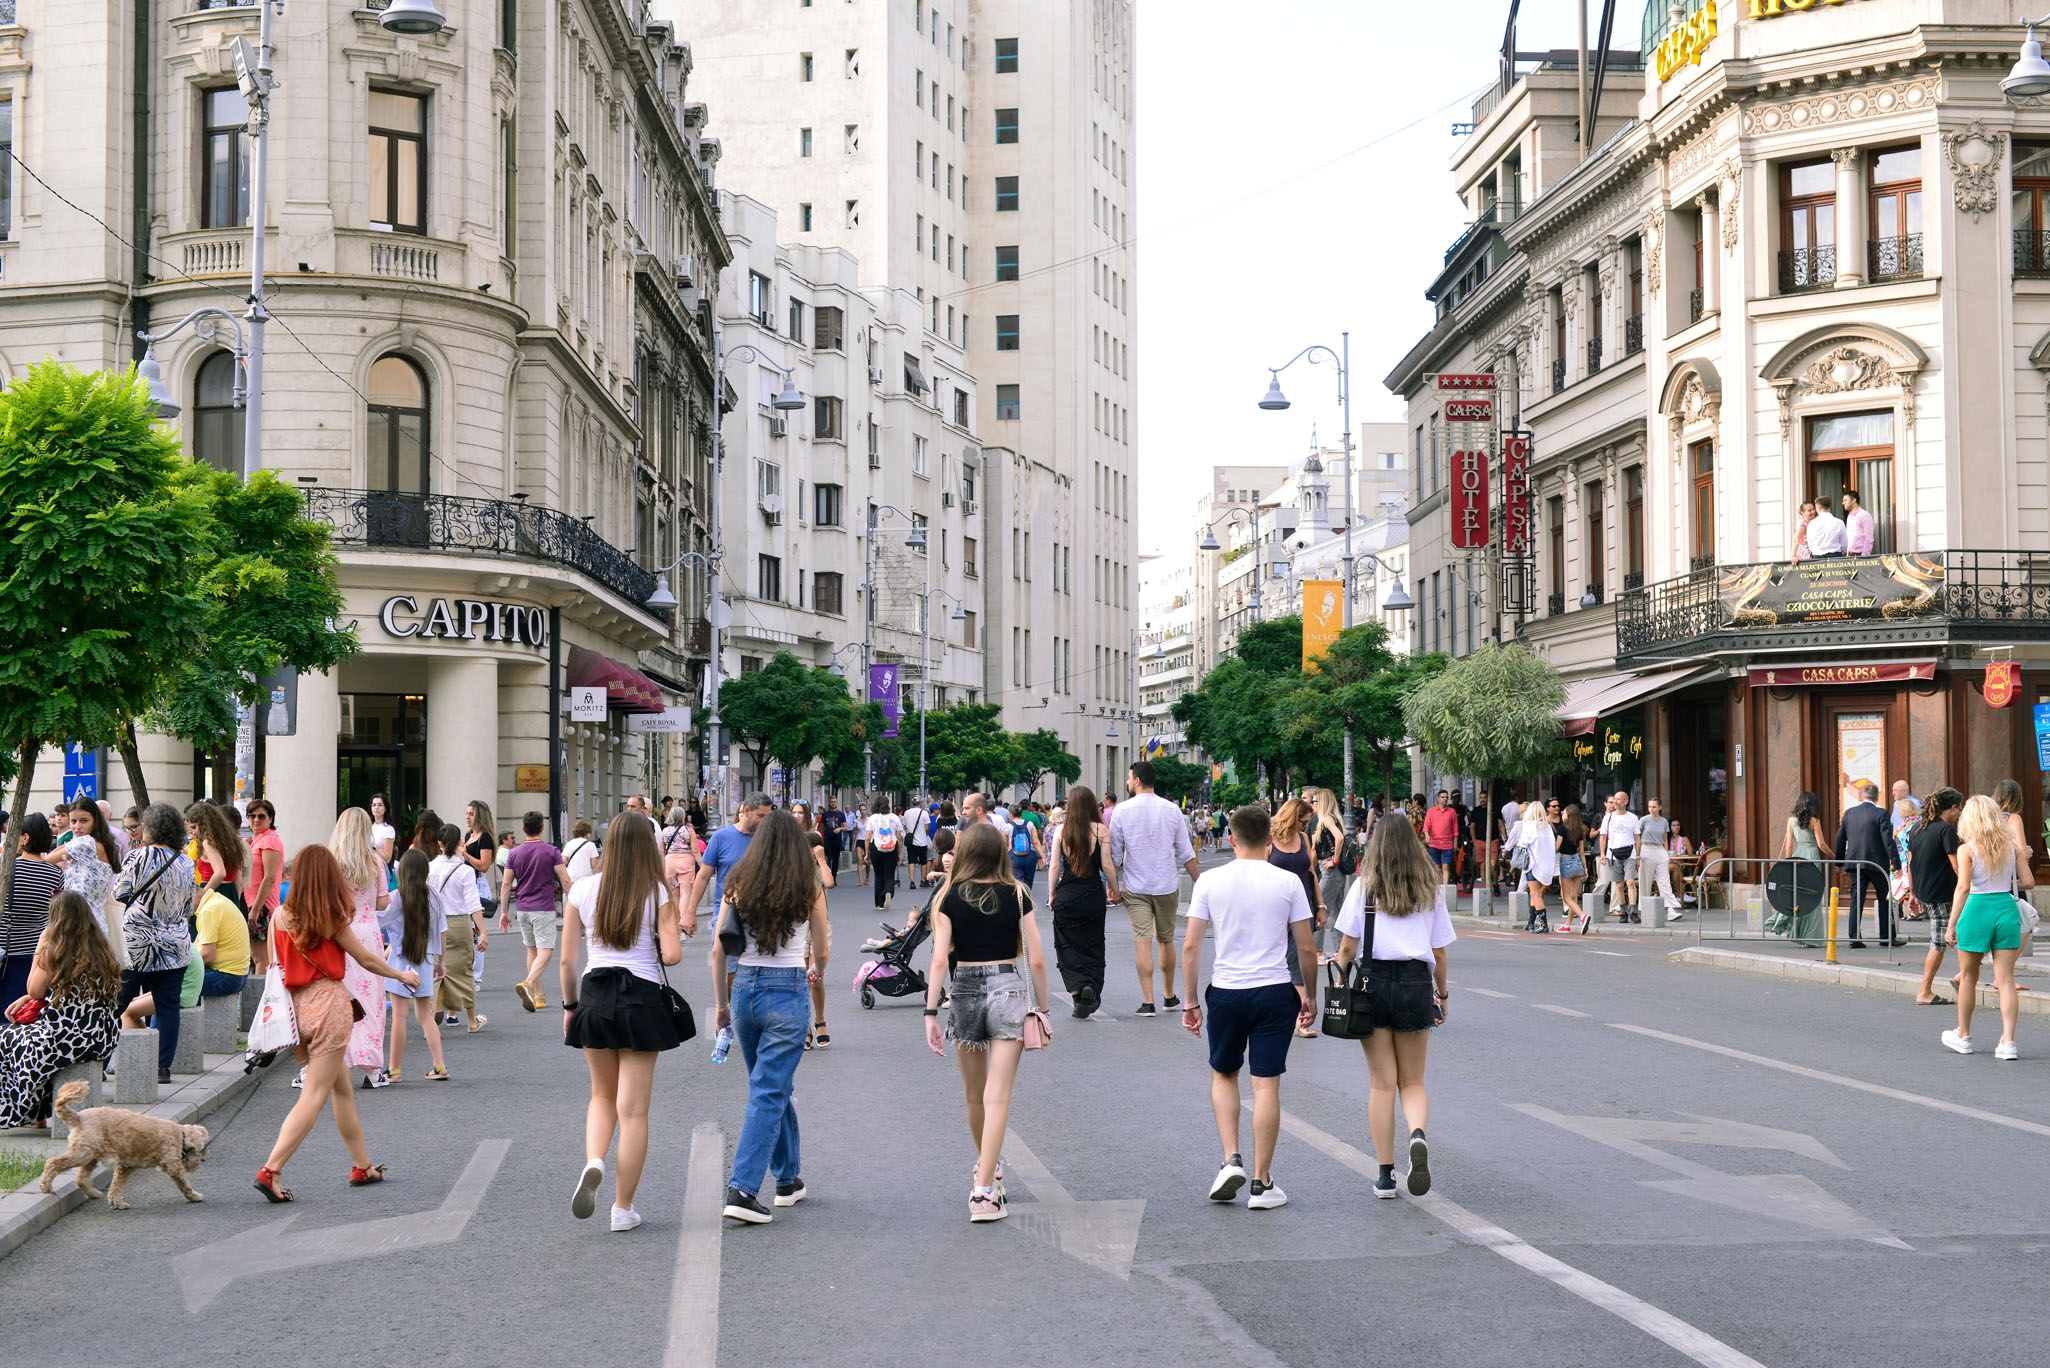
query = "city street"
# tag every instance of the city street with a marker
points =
(1636, 1163)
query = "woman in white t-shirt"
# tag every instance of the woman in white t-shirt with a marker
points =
(581, 854)
(1406, 942)
(621, 920)
(382, 834)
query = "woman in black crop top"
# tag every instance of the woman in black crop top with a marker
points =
(982, 924)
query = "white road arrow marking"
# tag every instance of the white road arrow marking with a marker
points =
(694, 1289)
(1101, 1234)
(1782, 1196)
(204, 1273)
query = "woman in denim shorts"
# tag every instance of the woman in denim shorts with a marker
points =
(982, 923)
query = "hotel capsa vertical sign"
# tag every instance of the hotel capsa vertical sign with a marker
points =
(1689, 37)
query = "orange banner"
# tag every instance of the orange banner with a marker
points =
(1323, 614)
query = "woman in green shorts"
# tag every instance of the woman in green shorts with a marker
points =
(1989, 923)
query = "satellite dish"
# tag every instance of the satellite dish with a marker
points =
(772, 503)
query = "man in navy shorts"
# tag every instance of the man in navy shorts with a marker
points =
(1441, 834)
(1253, 908)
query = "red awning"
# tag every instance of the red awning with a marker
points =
(626, 689)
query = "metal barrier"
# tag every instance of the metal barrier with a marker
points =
(1806, 902)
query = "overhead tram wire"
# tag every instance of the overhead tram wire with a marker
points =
(243, 299)
(1216, 209)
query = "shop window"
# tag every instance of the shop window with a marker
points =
(2032, 209)
(1895, 249)
(398, 161)
(217, 420)
(224, 170)
(1854, 452)
(398, 427)
(1807, 259)
(1701, 461)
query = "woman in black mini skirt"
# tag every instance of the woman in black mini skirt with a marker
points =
(1404, 939)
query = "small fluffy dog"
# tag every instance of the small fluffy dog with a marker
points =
(131, 1140)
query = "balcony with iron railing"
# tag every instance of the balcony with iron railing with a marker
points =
(1594, 355)
(2031, 252)
(385, 521)
(1693, 307)
(1633, 334)
(1807, 268)
(1555, 604)
(1893, 258)
(1558, 374)
(1961, 598)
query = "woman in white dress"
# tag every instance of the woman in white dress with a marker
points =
(1535, 835)
(365, 875)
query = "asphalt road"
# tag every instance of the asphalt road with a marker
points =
(1637, 1163)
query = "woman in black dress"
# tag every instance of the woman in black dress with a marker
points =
(1084, 878)
(1289, 847)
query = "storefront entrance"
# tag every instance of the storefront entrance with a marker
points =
(1859, 739)
(382, 748)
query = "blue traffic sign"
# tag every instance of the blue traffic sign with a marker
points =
(81, 771)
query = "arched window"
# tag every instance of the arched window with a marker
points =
(217, 423)
(398, 427)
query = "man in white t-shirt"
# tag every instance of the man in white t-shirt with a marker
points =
(1619, 853)
(917, 848)
(1254, 909)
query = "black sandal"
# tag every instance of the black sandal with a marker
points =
(821, 1037)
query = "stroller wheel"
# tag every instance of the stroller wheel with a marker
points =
(868, 998)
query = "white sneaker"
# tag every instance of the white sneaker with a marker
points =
(299, 1079)
(584, 1200)
(1228, 1181)
(624, 1218)
(1953, 1041)
(2007, 1049)
(1265, 1195)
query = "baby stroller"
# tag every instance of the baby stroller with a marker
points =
(890, 973)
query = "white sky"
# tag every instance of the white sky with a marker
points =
(1239, 271)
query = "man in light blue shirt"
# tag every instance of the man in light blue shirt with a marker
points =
(1148, 838)
(724, 850)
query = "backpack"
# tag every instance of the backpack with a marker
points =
(885, 839)
(932, 826)
(1021, 839)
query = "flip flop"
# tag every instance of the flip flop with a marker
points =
(1937, 1001)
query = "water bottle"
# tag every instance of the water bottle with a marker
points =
(723, 1044)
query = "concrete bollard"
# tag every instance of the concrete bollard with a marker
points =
(1655, 910)
(86, 1072)
(252, 998)
(223, 1031)
(190, 1056)
(135, 1067)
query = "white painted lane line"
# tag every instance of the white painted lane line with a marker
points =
(1557, 1010)
(1487, 992)
(694, 1290)
(1612, 954)
(1859, 1084)
(1696, 1344)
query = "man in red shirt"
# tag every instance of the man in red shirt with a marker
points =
(1441, 833)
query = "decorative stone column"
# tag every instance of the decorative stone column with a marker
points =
(462, 734)
(301, 772)
(1711, 255)
(1850, 217)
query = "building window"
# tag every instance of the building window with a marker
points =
(850, 139)
(918, 455)
(827, 501)
(398, 161)
(768, 481)
(852, 63)
(1007, 263)
(1591, 496)
(795, 316)
(769, 578)
(1807, 258)
(760, 299)
(6, 168)
(509, 209)
(217, 421)
(2032, 208)
(398, 427)
(804, 66)
(804, 142)
(1555, 517)
(826, 592)
(1895, 251)
(853, 213)
(828, 329)
(826, 419)
(1007, 125)
(968, 558)
(1007, 55)
(224, 169)
(1633, 527)
(1007, 332)
(961, 410)
(1007, 403)
(968, 637)
(1702, 464)
(1007, 194)
(804, 218)
(509, 24)
(1853, 452)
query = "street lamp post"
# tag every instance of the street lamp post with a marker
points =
(1275, 401)
(960, 614)
(915, 541)
(786, 400)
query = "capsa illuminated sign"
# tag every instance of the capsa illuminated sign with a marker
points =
(1766, 9)
(464, 620)
(1691, 37)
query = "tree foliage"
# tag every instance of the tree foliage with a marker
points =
(1490, 715)
(101, 527)
(1177, 779)
(789, 713)
(966, 747)
(1044, 755)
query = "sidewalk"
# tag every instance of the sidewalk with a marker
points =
(28, 1211)
(1870, 969)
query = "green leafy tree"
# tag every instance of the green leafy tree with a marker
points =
(1177, 779)
(1364, 684)
(1490, 715)
(100, 532)
(1045, 755)
(267, 577)
(769, 713)
(966, 747)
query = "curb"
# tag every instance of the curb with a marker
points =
(27, 1213)
(1841, 975)
(1672, 931)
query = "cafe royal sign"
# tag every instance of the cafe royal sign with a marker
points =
(463, 620)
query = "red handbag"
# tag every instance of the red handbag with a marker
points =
(27, 1011)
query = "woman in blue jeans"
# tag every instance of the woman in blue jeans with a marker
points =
(776, 905)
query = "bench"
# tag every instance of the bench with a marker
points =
(222, 1033)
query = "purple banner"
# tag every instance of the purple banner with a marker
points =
(882, 688)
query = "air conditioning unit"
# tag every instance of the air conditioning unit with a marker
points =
(968, 507)
(946, 498)
(772, 509)
(875, 460)
(779, 426)
(875, 375)
(680, 268)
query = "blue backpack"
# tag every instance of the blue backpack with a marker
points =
(1021, 839)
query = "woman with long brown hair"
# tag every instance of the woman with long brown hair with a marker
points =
(776, 899)
(1288, 847)
(363, 870)
(220, 850)
(1328, 847)
(982, 922)
(1083, 879)
(627, 925)
(412, 927)
(312, 940)
(1406, 970)
(1572, 851)
(74, 975)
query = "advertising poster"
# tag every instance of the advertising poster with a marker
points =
(1323, 613)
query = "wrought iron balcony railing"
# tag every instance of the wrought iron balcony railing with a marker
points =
(2031, 252)
(1633, 579)
(1633, 334)
(1962, 597)
(1555, 604)
(1594, 355)
(1807, 268)
(1701, 562)
(1558, 374)
(1894, 258)
(489, 527)
(1693, 307)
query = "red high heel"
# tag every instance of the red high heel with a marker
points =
(359, 1176)
(267, 1184)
